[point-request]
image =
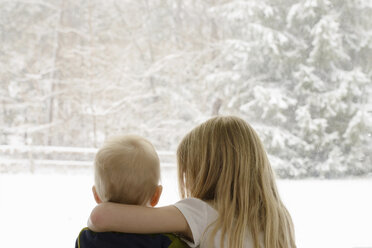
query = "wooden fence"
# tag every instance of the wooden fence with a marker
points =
(36, 156)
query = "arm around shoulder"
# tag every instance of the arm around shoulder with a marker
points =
(98, 221)
(138, 219)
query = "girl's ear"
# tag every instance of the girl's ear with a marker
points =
(96, 197)
(155, 198)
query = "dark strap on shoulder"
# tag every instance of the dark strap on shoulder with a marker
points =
(90, 239)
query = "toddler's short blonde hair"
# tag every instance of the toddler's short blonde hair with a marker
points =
(126, 170)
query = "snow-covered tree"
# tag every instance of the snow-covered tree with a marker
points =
(306, 70)
(74, 72)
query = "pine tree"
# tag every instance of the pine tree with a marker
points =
(305, 69)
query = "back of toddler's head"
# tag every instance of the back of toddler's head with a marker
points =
(126, 170)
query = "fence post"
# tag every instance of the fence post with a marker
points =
(30, 158)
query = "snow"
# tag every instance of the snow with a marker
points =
(37, 210)
(79, 75)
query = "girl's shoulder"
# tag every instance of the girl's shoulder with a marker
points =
(196, 207)
(199, 215)
(194, 202)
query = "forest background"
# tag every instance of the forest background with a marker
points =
(300, 72)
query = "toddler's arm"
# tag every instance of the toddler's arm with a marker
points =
(138, 219)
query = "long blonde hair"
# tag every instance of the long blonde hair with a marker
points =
(223, 160)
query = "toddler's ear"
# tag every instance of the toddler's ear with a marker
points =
(155, 198)
(96, 197)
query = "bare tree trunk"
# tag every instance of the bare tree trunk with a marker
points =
(216, 106)
(151, 52)
(89, 74)
(53, 88)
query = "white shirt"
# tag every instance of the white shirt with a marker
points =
(199, 215)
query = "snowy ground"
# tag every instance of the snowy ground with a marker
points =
(48, 210)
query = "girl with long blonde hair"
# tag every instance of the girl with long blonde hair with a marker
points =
(228, 189)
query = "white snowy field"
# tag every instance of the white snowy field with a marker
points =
(48, 210)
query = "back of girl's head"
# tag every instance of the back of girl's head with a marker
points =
(223, 161)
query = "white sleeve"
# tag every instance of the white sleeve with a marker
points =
(195, 212)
